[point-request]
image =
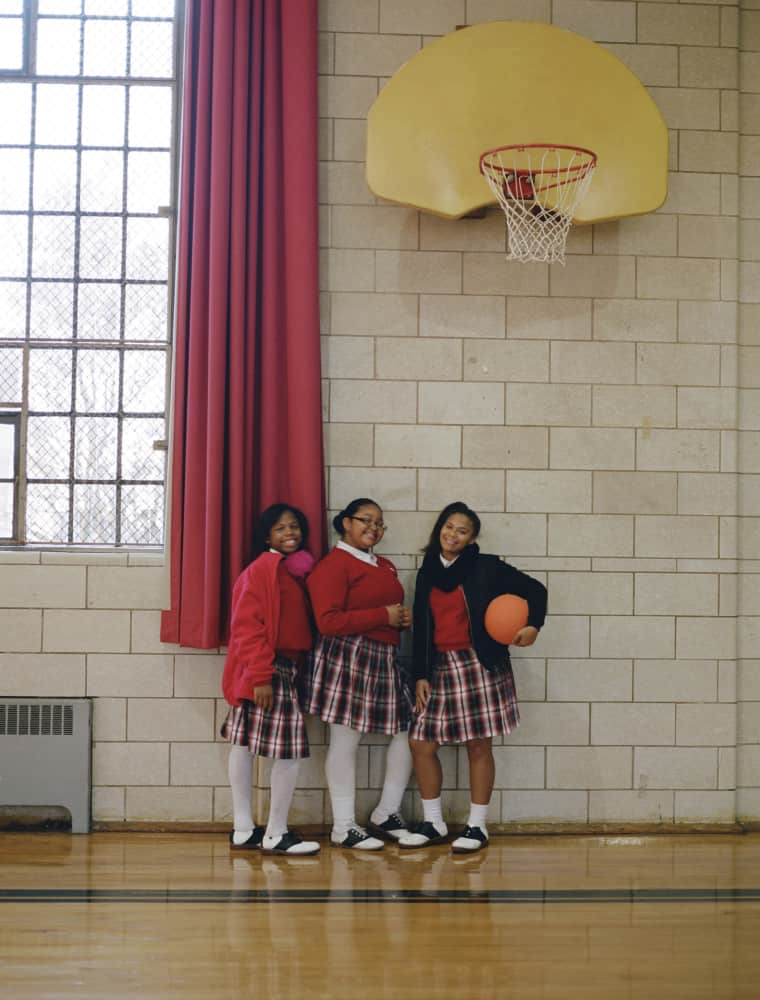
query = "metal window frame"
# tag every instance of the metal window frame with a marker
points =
(75, 344)
(28, 19)
(14, 420)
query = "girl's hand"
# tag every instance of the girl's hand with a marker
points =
(262, 696)
(421, 695)
(526, 636)
(399, 616)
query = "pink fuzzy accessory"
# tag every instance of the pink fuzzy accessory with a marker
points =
(300, 564)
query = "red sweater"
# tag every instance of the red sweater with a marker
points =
(451, 623)
(294, 627)
(255, 628)
(350, 597)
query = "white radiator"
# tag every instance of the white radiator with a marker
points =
(45, 755)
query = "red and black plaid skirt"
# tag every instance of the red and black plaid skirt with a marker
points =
(280, 732)
(358, 682)
(467, 702)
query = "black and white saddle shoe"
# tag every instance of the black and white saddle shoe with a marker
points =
(423, 835)
(471, 839)
(289, 843)
(252, 844)
(392, 829)
(357, 839)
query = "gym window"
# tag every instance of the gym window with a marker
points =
(88, 125)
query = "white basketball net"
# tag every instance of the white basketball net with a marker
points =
(539, 188)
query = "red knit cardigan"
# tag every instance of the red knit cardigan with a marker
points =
(253, 629)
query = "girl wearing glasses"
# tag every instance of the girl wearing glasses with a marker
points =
(465, 690)
(270, 635)
(355, 683)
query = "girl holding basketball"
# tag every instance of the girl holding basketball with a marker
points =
(465, 689)
(356, 684)
(270, 635)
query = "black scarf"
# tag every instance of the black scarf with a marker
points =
(449, 578)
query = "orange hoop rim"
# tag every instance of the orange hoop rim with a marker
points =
(569, 172)
(542, 145)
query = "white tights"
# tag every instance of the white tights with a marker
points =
(284, 777)
(340, 771)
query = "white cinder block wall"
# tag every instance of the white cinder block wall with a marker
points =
(603, 417)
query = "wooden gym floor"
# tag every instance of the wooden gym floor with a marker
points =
(554, 917)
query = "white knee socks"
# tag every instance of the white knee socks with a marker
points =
(240, 770)
(398, 769)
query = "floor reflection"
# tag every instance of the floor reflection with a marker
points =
(349, 945)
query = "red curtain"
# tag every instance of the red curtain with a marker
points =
(247, 407)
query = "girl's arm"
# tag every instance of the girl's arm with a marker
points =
(510, 580)
(248, 636)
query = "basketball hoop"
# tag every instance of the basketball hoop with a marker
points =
(539, 186)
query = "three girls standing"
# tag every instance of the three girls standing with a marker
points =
(464, 691)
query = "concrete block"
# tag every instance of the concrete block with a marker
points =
(588, 767)
(635, 320)
(125, 675)
(615, 637)
(634, 406)
(173, 805)
(506, 361)
(414, 446)
(676, 594)
(633, 724)
(85, 631)
(675, 767)
(591, 448)
(706, 725)
(461, 403)
(588, 680)
(505, 447)
(678, 450)
(635, 493)
(550, 492)
(462, 316)
(590, 534)
(563, 405)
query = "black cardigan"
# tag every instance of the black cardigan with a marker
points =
(488, 578)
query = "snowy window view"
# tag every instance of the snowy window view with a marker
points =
(87, 119)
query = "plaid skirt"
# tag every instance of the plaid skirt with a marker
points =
(467, 702)
(281, 731)
(358, 682)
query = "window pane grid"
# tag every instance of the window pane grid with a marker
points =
(85, 244)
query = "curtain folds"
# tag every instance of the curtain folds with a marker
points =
(247, 409)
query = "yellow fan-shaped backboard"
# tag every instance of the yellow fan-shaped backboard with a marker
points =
(509, 82)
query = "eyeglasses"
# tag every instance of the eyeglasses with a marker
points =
(369, 523)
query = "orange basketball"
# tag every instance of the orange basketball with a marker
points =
(505, 616)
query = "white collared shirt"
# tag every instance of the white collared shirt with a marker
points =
(367, 557)
(447, 562)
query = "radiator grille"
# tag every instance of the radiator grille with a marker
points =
(36, 720)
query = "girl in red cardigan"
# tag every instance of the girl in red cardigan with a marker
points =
(355, 683)
(270, 634)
